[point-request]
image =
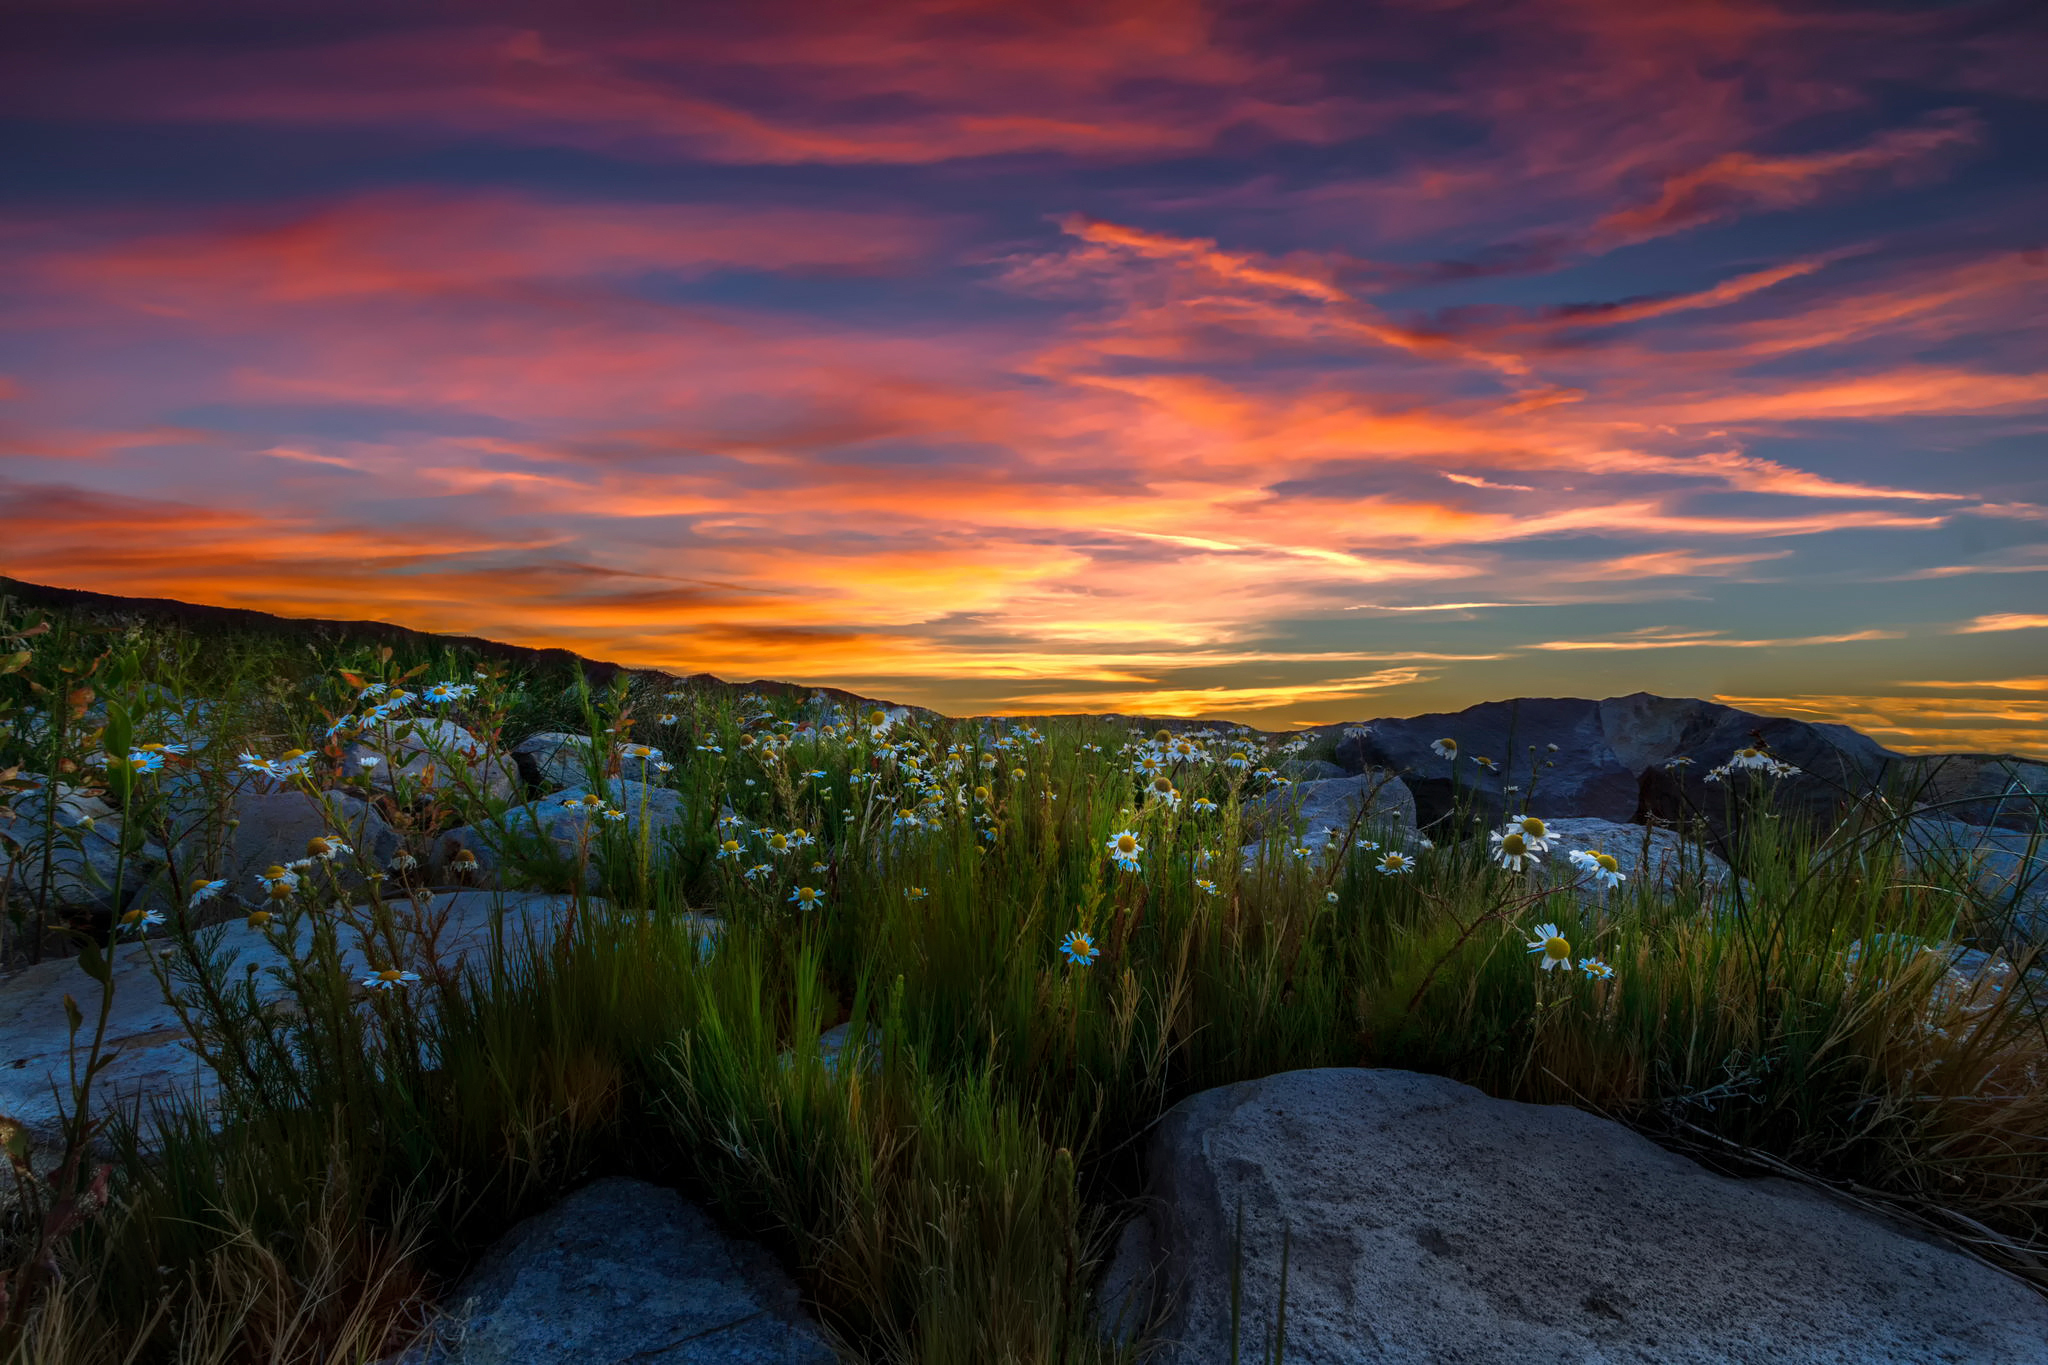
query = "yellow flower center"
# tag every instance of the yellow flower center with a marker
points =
(1164, 736)
(731, 845)
(1533, 827)
(390, 974)
(276, 873)
(1126, 844)
(1557, 947)
(317, 847)
(878, 717)
(1607, 862)
(1514, 846)
(1162, 784)
(294, 753)
(258, 918)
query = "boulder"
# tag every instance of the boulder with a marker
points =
(1426, 1221)
(1316, 807)
(1670, 859)
(554, 759)
(1587, 779)
(84, 851)
(625, 1271)
(1310, 769)
(152, 1057)
(551, 828)
(2009, 867)
(275, 827)
(1980, 789)
(422, 749)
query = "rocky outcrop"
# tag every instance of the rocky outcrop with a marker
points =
(554, 759)
(625, 1271)
(1426, 1221)
(552, 835)
(1670, 861)
(152, 1056)
(425, 751)
(1315, 807)
(83, 851)
(276, 828)
(2009, 868)
(1980, 789)
(1611, 759)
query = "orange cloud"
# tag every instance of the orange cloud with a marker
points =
(2010, 620)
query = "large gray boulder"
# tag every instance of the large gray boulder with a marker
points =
(1980, 789)
(275, 827)
(554, 831)
(555, 759)
(2008, 867)
(1671, 861)
(83, 851)
(1612, 759)
(152, 1055)
(625, 1271)
(426, 750)
(1429, 1222)
(1312, 808)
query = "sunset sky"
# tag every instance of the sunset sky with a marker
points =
(1279, 363)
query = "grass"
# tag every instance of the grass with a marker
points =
(950, 1193)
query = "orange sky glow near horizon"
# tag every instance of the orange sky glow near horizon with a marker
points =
(1286, 364)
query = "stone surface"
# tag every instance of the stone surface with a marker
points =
(1312, 809)
(276, 826)
(84, 850)
(552, 760)
(153, 1057)
(549, 825)
(1669, 860)
(2008, 866)
(1980, 789)
(1428, 1222)
(422, 746)
(626, 1271)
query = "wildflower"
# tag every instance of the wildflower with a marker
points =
(138, 761)
(1512, 849)
(730, 821)
(642, 751)
(204, 891)
(1534, 833)
(613, 814)
(463, 864)
(665, 718)
(759, 872)
(1205, 886)
(345, 723)
(916, 893)
(1393, 864)
(1556, 950)
(447, 692)
(1079, 948)
(1330, 896)
(1483, 761)
(1124, 848)
(709, 749)
(375, 689)
(907, 819)
(1202, 805)
(1445, 748)
(1551, 748)
(278, 882)
(1679, 763)
(807, 897)
(390, 979)
(818, 773)
(325, 849)
(1162, 791)
(1595, 969)
(403, 862)
(366, 762)
(1750, 758)
(1603, 866)
(729, 849)
(1301, 853)
(259, 919)
(139, 920)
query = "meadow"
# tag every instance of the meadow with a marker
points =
(1047, 932)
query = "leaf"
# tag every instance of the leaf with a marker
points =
(353, 680)
(93, 962)
(72, 1016)
(15, 662)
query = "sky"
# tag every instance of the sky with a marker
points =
(1281, 363)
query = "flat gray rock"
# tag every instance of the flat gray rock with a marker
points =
(1312, 809)
(153, 1057)
(1431, 1223)
(2010, 868)
(425, 749)
(1670, 862)
(83, 850)
(626, 1271)
(275, 827)
(551, 828)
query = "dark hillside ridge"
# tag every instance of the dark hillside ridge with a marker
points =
(1611, 761)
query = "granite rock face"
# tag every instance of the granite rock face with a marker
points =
(275, 828)
(1669, 863)
(552, 760)
(1981, 789)
(83, 850)
(2009, 867)
(424, 749)
(623, 1271)
(552, 828)
(1611, 757)
(1317, 806)
(1428, 1222)
(153, 1056)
